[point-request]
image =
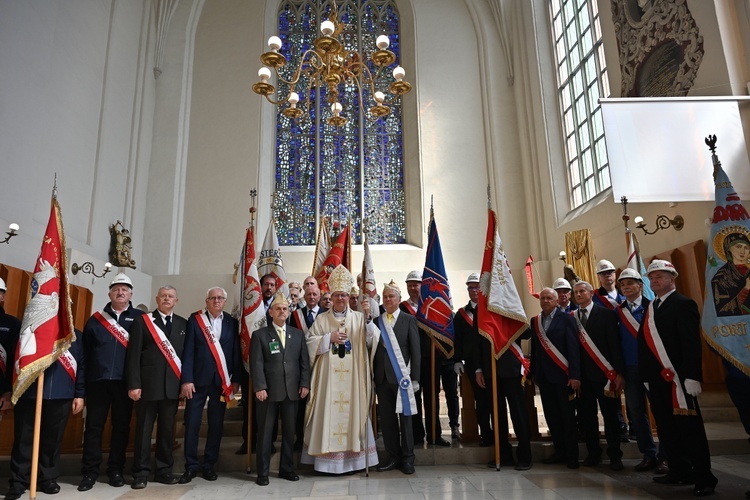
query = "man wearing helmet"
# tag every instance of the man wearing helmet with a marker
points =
(669, 363)
(564, 292)
(10, 328)
(410, 306)
(105, 340)
(607, 295)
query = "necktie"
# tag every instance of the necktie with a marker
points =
(310, 318)
(633, 307)
(583, 317)
(168, 324)
(656, 303)
(282, 338)
(390, 319)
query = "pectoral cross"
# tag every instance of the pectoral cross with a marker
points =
(341, 402)
(340, 434)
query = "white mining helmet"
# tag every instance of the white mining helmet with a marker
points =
(662, 265)
(604, 266)
(561, 283)
(2, 285)
(121, 279)
(629, 273)
(414, 276)
(473, 278)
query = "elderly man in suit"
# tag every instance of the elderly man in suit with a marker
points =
(153, 368)
(669, 363)
(280, 366)
(396, 367)
(210, 360)
(555, 365)
(602, 375)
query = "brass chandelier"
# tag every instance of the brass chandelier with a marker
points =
(330, 65)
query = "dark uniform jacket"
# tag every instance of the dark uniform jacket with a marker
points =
(281, 374)
(105, 355)
(407, 335)
(198, 364)
(10, 328)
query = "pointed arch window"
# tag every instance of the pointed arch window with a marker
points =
(350, 172)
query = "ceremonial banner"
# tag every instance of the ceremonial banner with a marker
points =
(726, 309)
(322, 247)
(530, 277)
(339, 254)
(270, 261)
(636, 263)
(252, 314)
(435, 313)
(47, 327)
(369, 287)
(499, 312)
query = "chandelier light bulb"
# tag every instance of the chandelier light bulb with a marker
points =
(274, 43)
(379, 97)
(293, 98)
(327, 27)
(264, 74)
(336, 107)
(399, 73)
(382, 42)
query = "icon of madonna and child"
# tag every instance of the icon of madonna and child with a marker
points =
(731, 283)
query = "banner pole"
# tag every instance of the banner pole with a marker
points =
(495, 418)
(37, 430)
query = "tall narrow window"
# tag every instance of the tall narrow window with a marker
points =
(582, 80)
(350, 172)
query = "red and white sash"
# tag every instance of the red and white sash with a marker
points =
(525, 363)
(409, 307)
(218, 354)
(466, 315)
(3, 360)
(606, 301)
(596, 355)
(547, 345)
(668, 373)
(299, 320)
(69, 363)
(164, 345)
(628, 320)
(113, 327)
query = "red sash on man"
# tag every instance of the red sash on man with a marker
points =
(69, 363)
(595, 354)
(298, 320)
(466, 315)
(525, 363)
(114, 328)
(605, 300)
(164, 345)
(409, 307)
(218, 354)
(627, 319)
(3, 360)
(668, 373)
(552, 351)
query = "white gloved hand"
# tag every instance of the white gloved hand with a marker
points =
(645, 384)
(692, 387)
(415, 385)
(458, 367)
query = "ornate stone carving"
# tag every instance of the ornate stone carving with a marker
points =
(660, 46)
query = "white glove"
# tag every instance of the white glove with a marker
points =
(415, 385)
(645, 384)
(692, 387)
(458, 367)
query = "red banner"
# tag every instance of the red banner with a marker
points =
(530, 277)
(339, 254)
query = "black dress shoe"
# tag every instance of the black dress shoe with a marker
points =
(661, 467)
(242, 450)
(262, 481)
(591, 461)
(439, 441)
(646, 464)
(86, 483)
(554, 459)
(210, 475)
(15, 492)
(289, 476)
(139, 483)
(166, 479)
(116, 480)
(523, 466)
(393, 464)
(616, 465)
(187, 476)
(49, 487)
(704, 491)
(408, 469)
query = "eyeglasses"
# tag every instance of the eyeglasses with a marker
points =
(219, 299)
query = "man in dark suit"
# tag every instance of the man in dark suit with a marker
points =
(10, 328)
(280, 366)
(468, 343)
(411, 306)
(394, 385)
(210, 359)
(555, 365)
(152, 367)
(602, 379)
(669, 363)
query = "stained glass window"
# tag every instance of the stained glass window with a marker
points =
(582, 80)
(350, 172)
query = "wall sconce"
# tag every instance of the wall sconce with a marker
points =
(563, 257)
(88, 268)
(12, 231)
(662, 222)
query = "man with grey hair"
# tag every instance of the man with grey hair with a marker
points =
(555, 365)
(602, 375)
(153, 368)
(211, 365)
